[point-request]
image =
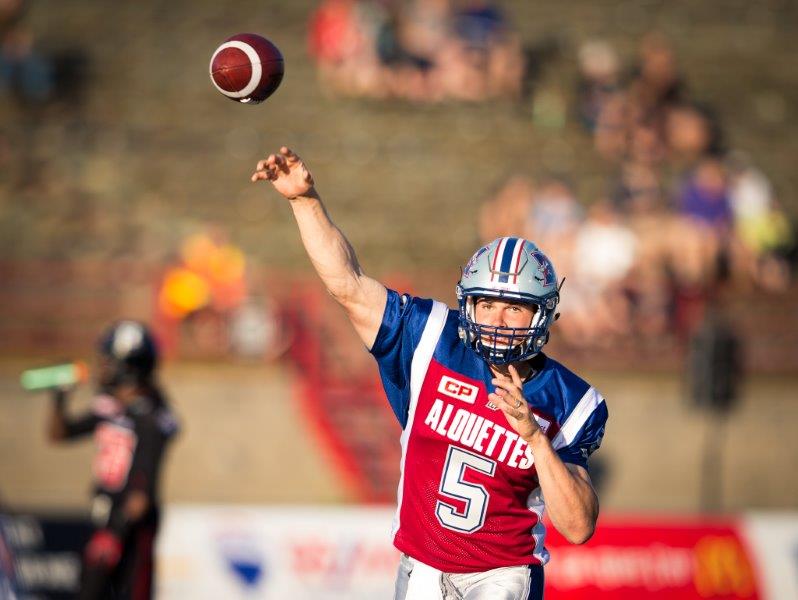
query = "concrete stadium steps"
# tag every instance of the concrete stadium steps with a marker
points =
(768, 328)
(371, 435)
(58, 307)
(341, 396)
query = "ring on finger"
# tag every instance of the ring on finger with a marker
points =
(518, 404)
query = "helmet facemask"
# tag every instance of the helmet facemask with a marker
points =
(504, 345)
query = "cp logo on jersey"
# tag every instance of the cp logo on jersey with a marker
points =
(458, 389)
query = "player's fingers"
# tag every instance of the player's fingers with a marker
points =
(292, 159)
(508, 408)
(506, 403)
(508, 385)
(289, 154)
(280, 163)
(261, 164)
(498, 400)
(267, 174)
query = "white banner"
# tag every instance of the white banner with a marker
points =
(316, 553)
(773, 539)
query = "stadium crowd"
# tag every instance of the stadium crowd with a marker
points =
(421, 51)
(680, 214)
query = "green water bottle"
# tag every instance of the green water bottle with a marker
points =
(54, 376)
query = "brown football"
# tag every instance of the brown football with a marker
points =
(247, 68)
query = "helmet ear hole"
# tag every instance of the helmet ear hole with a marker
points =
(556, 316)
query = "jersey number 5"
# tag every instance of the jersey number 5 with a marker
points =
(474, 495)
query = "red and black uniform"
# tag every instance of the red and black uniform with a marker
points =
(130, 442)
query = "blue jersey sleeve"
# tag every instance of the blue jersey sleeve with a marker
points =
(402, 325)
(588, 440)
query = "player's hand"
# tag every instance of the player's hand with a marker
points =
(104, 549)
(60, 394)
(287, 172)
(509, 397)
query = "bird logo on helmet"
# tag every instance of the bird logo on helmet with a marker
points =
(508, 269)
(129, 351)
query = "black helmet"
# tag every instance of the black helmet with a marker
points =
(130, 352)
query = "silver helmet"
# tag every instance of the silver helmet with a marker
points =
(508, 269)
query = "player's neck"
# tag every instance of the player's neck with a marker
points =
(527, 369)
(524, 368)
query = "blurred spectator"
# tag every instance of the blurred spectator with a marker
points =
(763, 229)
(549, 213)
(257, 331)
(32, 76)
(554, 219)
(500, 215)
(656, 84)
(610, 132)
(491, 47)
(704, 196)
(604, 248)
(207, 293)
(637, 190)
(419, 50)
(333, 33)
(23, 71)
(599, 80)
(405, 55)
(691, 131)
(221, 264)
(645, 144)
(479, 23)
(340, 41)
(596, 302)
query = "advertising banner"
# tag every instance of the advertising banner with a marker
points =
(655, 558)
(337, 553)
(318, 552)
(40, 556)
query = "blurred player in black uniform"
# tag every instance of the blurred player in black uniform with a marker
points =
(132, 425)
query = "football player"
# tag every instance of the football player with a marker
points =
(494, 431)
(132, 424)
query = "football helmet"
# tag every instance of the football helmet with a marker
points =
(129, 353)
(508, 268)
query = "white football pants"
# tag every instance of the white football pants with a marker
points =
(417, 581)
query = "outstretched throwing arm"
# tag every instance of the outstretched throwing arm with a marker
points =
(332, 255)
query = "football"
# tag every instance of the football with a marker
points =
(247, 68)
